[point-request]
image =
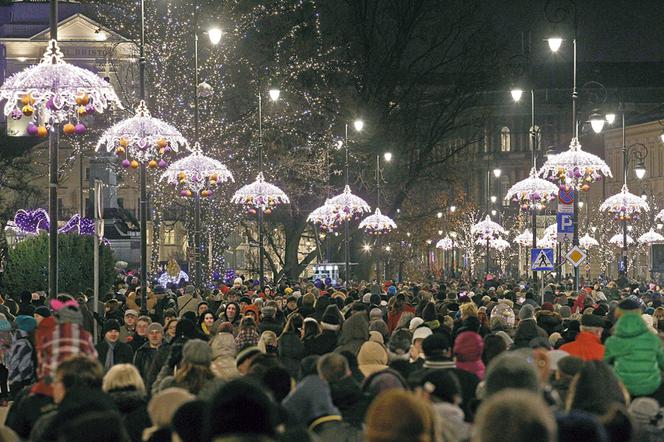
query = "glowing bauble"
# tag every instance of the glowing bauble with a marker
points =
(134, 164)
(42, 131)
(27, 99)
(81, 111)
(28, 110)
(162, 164)
(69, 129)
(80, 129)
(32, 129)
(126, 164)
(162, 143)
(123, 142)
(152, 164)
(205, 193)
(120, 150)
(82, 99)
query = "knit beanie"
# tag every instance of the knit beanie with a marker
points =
(109, 325)
(197, 352)
(26, 323)
(164, 404)
(399, 415)
(526, 312)
(43, 311)
(375, 313)
(241, 407)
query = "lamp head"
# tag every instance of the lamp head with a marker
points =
(359, 125)
(516, 94)
(597, 122)
(610, 117)
(453, 234)
(452, 209)
(640, 170)
(497, 172)
(554, 43)
(493, 198)
(387, 156)
(493, 212)
(274, 94)
(215, 35)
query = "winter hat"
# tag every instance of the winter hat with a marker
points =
(422, 333)
(508, 341)
(592, 321)
(392, 290)
(237, 282)
(581, 425)
(400, 342)
(375, 313)
(511, 370)
(310, 400)
(554, 338)
(415, 323)
(526, 312)
(109, 325)
(268, 311)
(443, 384)
(43, 311)
(189, 419)
(645, 411)
(565, 311)
(570, 365)
(375, 336)
(164, 404)
(246, 353)
(412, 419)
(155, 327)
(241, 407)
(26, 323)
(366, 299)
(629, 304)
(131, 312)
(197, 352)
(468, 347)
(371, 358)
(547, 306)
(554, 358)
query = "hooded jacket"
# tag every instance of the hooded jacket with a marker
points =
(354, 333)
(636, 354)
(223, 356)
(468, 348)
(371, 358)
(550, 322)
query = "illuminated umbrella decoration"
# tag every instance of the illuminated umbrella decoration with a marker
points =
(624, 206)
(650, 237)
(575, 168)
(349, 206)
(326, 216)
(587, 241)
(496, 243)
(487, 229)
(660, 216)
(377, 224)
(260, 194)
(196, 173)
(55, 91)
(142, 138)
(445, 244)
(532, 191)
(618, 240)
(525, 238)
(551, 231)
(547, 242)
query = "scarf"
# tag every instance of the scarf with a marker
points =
(109, 356)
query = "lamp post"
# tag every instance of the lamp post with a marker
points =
(358, 125)
(214, 35)
(496, 173)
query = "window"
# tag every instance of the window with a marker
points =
(505, 139)
(169, 236)
(538, 136)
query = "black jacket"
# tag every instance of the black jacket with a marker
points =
(133, 410)
(144, 357)
(270, 324)
(122, 354)
(326, 342)
(348, 397)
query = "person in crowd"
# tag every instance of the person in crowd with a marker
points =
(139, 337)
(146, 353)
(205, 322)
(442, 388)
(269, 319)
(21, 359)
(223, 353)
(310, 331)
(398, 307)
(372, 358)
(232, 314)
(193, 372)
(248, 335)
(161, 409)
(125, 386)
(354, 333)
(129, 326)
(188, 302)
(588, 345)
(468, 348)
(412, 420)
(565, 371)
(170, 328)
(268, 342)
(291, 349)
(527, 330)
(110, 350)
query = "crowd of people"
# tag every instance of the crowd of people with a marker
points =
(457, 360)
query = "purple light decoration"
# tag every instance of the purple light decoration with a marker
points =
(35, 221)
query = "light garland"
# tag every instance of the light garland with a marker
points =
(487, 229)
(196, 173)
(547, 242)
(260, 195)
(55, 91)
(650, 237)
(575, 168)
(349, 206)
(34, 222)
(445, 244)
(496, 243)
(624, 206)
(143, 139)
(532, 192)
(377, 224)
(525, 238)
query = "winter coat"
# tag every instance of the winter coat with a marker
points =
(133, 410)
(393, 317)
(270, 324)
(526, 331)
(122, 353)
(371, 358)
(468, 348)
(354, 333)
(586, 346)
(333, 429)
(348, 397)
(21, 359)
(636, 354)
(550, 322)
(223, 357)
(291, 351)
(326, 342)
(143, 359)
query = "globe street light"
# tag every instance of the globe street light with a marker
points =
(215, 35)
(597, 122)
(274, 94)
(387, 156)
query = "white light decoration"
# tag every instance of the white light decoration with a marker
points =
(525, 238)
(650, 237)
(349, 206)
(445, 244)
(532, 192)
(624, 205)
(326, 216)
(575, 168)
(597, 122)
(487, 229)
(617, 239)
(495, 243)
(260, 195)
(587, 241)
(547, 242)
(55, 91)
(142, 139)
(377, 224)
(196, 173)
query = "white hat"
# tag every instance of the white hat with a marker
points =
(414, 323)
(237, 282)
(422, 333)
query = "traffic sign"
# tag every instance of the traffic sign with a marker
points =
(541, 260)
(576, 256)
(566, 196)
(586, 267)
(565, 226)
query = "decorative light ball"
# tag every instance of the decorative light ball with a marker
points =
(89, 109)
(162, 164)
(42, 131)
(188, 192)
(123, 142)
(28, 110)
(213, 182)
(182, 181)
(585, 187)
(27, 99)
(80, 129)
(268, 211)
(205, 193)
(167, 149)
(120, 150)
(182, 175)
(134, 164)
(16, 114)
(214, 177)
(152, 164)
(81, 110)
(32, 129)
(82, 99)
(161, 151)
(252, 211)
(126, 163)
(162, 143)
(69, 129)
(183, 193)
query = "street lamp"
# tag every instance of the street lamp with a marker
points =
(597, 122)
(215, 35)
(497, 172)
(516, 94)
(493, 199)
(359, 125)
(387, 156)
(640, 170)
(439, 215)
(610, 117)
(452, 209)
(554, 43)
(274, 94)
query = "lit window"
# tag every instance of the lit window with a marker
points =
(505, 139)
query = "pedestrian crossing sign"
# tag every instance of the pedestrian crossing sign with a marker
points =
(541, 260)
